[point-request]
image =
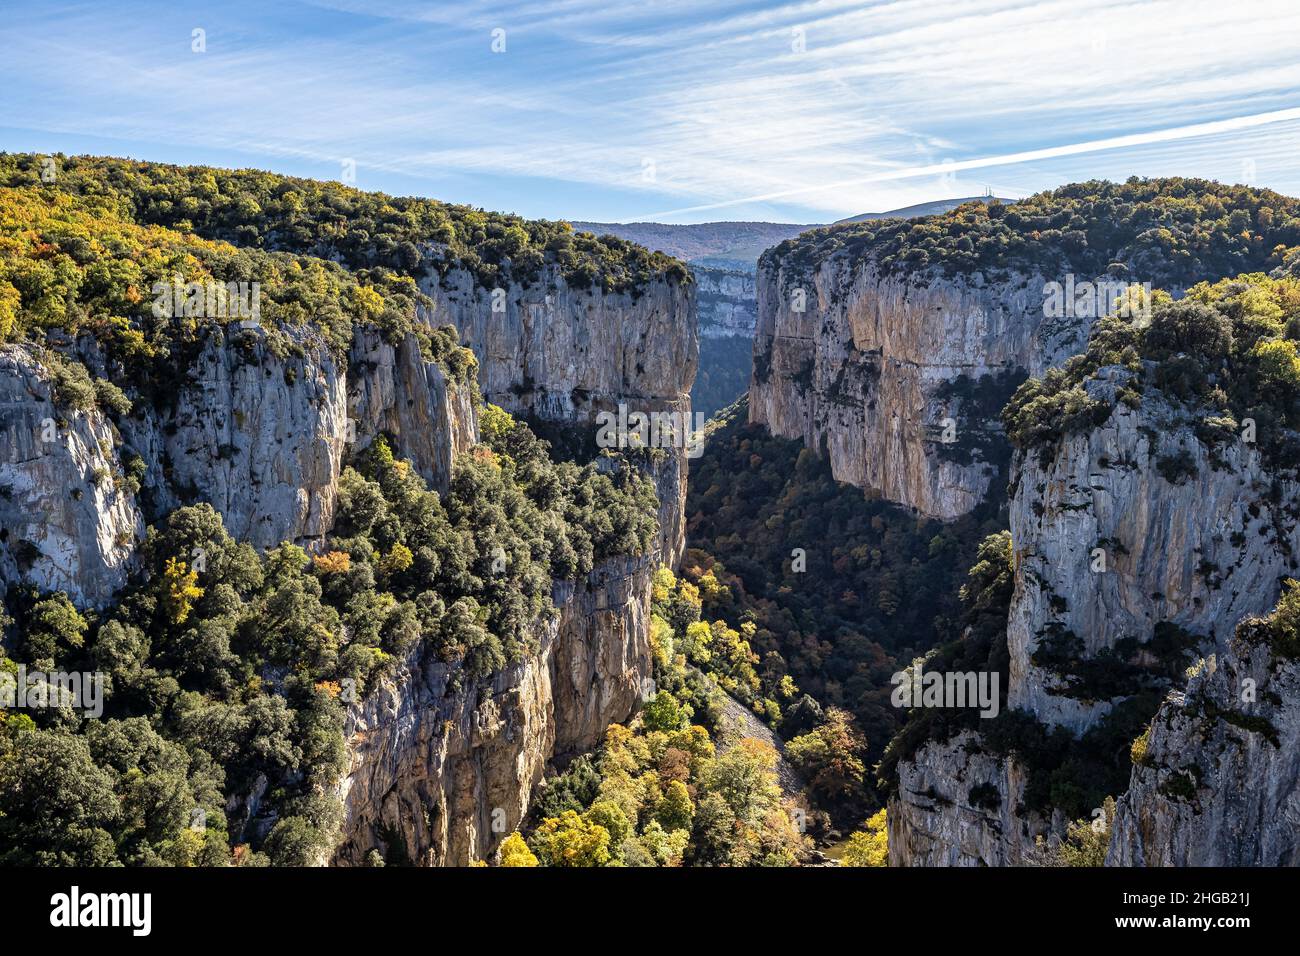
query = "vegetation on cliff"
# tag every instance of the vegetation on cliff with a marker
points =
(228, 672)
(73, 271)
(1167, 231)
(834, 590)
(1225, 353)
(674, 786)
(364, 230)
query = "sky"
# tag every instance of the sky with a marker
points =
(668, 110)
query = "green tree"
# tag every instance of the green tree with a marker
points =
(571, 840)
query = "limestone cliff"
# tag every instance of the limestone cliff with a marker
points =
(727, 300)
(448, 769)
(1110, 543)
(935, 821)
(441, 774)
(256, 429)
(563, 354)
(1113, 548)
(1219, 784)
(869, 367)
(66, 521)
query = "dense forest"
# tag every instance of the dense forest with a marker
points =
(1169, 232)
(1224, 353)
(236, 668)
(227, 671)
(725, 364)
(835, 591)
(364, 230)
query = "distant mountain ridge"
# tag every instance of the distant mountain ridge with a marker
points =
(933, 208)
(731, 244)
(723, 257)
(733, 241)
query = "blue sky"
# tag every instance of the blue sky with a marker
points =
(670, 110)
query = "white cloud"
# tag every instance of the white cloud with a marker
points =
(731, 115)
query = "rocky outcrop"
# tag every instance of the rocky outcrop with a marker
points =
(1133, 524)
(1125, 529)
(394, 390)
(563, 355)
(256, 429)
(258, 423)
(726, 299)
(957, 805)
(899, 377)
(67, 522)
(1219, 784)
(441, 774)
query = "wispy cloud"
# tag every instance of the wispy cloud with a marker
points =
(799, 110)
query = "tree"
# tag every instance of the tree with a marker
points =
(663, 712)
(295, 842)
(610, 815)
(54, 628)
(515, 852)
(745, 777)
(57, 808)
(870, 846)
(1085, 842)
(830, 758)
(180, 590)
(675, 810)
(571, 840)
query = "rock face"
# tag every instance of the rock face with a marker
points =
(935, 821)
(1220, 785)
(394, 390)
(869, 368)
(259, 427)
(563, 355)
(441, 776)
(259, 436)
(1199, 547)
(728, 303)
(64, 523)
(1201, 551)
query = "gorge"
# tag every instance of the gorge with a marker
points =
(368, 587)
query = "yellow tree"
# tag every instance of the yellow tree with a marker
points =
(180, 590)
(515, 852)
(869, 847)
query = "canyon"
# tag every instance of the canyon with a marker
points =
(263, 436)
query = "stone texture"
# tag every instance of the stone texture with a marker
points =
(392, 389)
(1215, 790)
(932, 821)
(564, 355)
(727, 300)
(1202, 554)
(64, 524)
(859, 374)
(259, 436)
(446, 775)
